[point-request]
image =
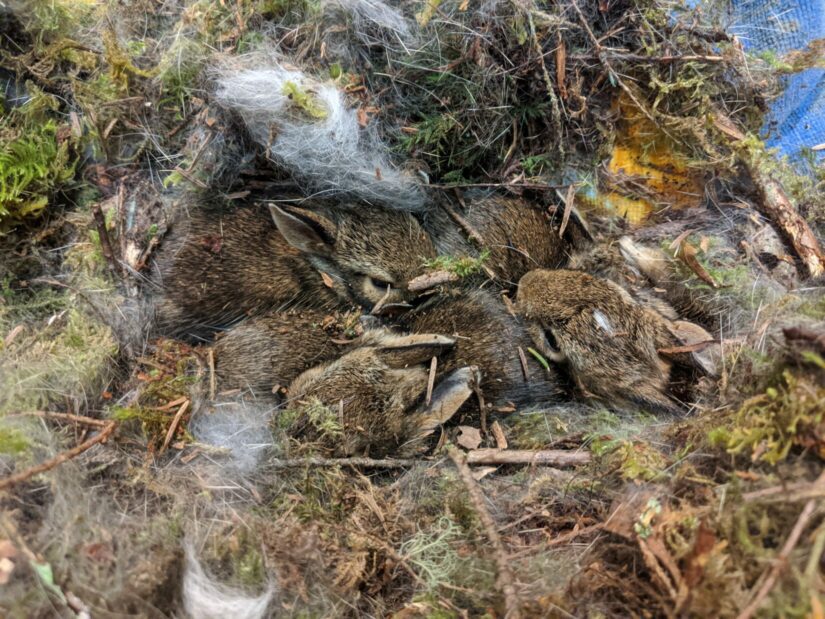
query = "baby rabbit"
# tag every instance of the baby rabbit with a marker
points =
(487, 336)
(217, 267)
(375, 393)
(267, 352)
(610, 342)
(518, 235)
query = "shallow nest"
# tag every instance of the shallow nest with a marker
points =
(714, 514)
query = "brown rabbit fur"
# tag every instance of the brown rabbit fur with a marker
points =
(372, 390)
(519, 235)
(487, 336)
(267, 352)
(218, 267)
(609, 340)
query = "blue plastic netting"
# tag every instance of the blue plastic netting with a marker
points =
(797, 119)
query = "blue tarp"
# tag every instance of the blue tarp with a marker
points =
(797, 118)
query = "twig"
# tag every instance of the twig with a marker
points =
(171, 432)
(569, 200)
(556, 457)
(505, 580)
(464, 224)
(545, 186)
(552, 457)
(213, 379)
(775, 203)
(98, 423)
(498, 435)
(780, 562)
(641, 58)
(60, 458)
(430, 280)
(523, 360)
(367, 463)
(777, 206)
(482, 407)
(431, 380)
(103, 235)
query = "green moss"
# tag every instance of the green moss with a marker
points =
(533, 430)
(35, 160)
(463, 266)
(305, 101)
(635, 460)
(12, 441)
(770, 424)
(70, 358)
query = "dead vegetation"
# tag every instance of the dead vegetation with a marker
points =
(131, 485)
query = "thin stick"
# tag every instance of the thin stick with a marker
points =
(493, 185)
(171, 432)
(654, 59)
(89, 421)
(523, 360)
(103, 235)
(431, 280)
(464, 224)
(553, 457)
(213, 381)
(569, 200)
(505, 580)
(780, 563)
(431, 380)
(60, 458)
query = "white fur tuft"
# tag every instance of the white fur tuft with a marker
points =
(205, 598)
(333, 155)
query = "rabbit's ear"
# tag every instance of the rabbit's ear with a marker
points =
(448, 396)
(400, 351)
(305, 230)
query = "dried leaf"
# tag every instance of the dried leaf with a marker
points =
(469, 437)
(569, 201)
(363, 119)
(327, 280)
(726, 126)
(687, 253)
(482, 472)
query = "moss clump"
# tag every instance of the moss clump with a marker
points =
(463, 266)
(634, 460)
(165, 380)
(12, 441)
(68, 357)
(534, 430)
(768, 425)
(431, 553)
(305, 101)
(35, 160)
